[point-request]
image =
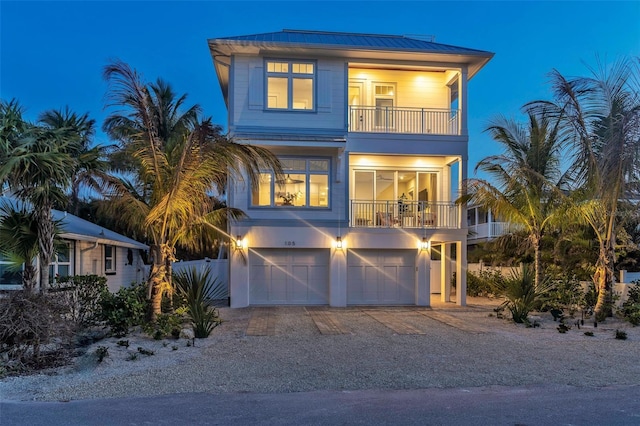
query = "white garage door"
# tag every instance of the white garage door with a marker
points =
(376, 277)
(289, 277)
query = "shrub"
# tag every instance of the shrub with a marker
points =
(630, 310)
(82, 294)
(124, 309)
(102, 352)
(480, 284)
(34, 332)
(197, 289)
(521, 294)
(165, 325)
(566, 294)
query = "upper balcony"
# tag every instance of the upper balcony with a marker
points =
(373, 119)
(401, 100)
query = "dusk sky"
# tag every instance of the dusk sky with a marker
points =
(53, 53)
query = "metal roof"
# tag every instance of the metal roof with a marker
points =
(352, 41)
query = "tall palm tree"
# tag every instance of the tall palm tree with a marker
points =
(601, 114)
(37, 162)
(527, 177)
(174, 162)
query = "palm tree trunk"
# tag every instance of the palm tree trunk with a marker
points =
(28, 277)
(155, 282)
(45, 242)
(537, 262)
(603, 281)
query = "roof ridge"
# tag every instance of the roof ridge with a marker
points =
(286, 30)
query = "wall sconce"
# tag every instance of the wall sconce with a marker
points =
(339, 243)
(425, 244)
(239, 243)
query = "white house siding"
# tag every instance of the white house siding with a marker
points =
(248, 87)
(90, 261)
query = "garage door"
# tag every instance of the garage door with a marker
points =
(376, 277)
(289, 277)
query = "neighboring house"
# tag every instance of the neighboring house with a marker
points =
(92, 249)
(484, 226)
(372, 134)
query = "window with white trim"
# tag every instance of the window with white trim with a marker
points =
(305, 183)
(61, 264)
(109, 259)
(290, 85)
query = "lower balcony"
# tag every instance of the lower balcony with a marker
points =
(407, 214)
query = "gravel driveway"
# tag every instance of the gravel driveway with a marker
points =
(394, 348)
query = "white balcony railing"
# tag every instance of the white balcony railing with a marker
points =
(403, 120)
(408, 214)
(487, 231)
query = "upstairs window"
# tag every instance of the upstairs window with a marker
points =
(290, 85)
(305, 184)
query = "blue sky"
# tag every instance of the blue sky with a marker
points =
(53, 53)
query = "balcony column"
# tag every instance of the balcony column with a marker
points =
(463, 102)
(445, 272)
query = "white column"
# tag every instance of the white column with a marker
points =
(461, 273)
(338, 278)
(445, 273)
(423, 278)
(239, 277)
(463, 102)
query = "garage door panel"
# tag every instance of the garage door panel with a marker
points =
(380, 277)
(287, 276)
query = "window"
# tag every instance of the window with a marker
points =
(305, 184)
(9, 274)
(290, 85)
(109, 259)
(61, 265)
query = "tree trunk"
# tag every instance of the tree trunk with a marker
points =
(156, 278)
(28, 277)
(537, 263)
(603, 281)
(45, 243)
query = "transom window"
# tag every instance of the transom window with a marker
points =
(305, 184)
(290, 85)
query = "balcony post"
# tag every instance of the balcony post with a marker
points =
(463, 102)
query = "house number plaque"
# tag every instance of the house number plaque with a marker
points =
(289, 243)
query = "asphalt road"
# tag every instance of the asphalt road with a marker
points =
(531, 405)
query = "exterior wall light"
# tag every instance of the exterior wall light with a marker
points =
(339, 243)
(239, 243)
(425, 244)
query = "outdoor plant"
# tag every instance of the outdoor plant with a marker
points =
(480, 284)
(124, 309)
(566, 295)
(197, 289)
(144, 351)
(630, 310)
(102, 352)
(621, 335)
(164, 326)
(82, 294)
(521, 293)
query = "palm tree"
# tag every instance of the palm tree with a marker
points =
(602, 116)
(19, 241)
(527, 177)
(174, 161)
(37, 162)
(90, 159)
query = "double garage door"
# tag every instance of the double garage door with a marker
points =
(381, 277)
(289, 277)
(301, 277)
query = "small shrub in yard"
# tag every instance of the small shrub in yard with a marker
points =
(82, 294)
(480, 284)
(144, 351)
(165, 325)
(630, 310)
(197, 289)
(588, 333)
(102, 352)
(621, 335)
(35, 332)
(124, 309)
(521, 294)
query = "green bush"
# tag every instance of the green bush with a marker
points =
(521, 294)
(197, 289)
(480, 284)
(166, 325)
(124, 309)
(82, 294)
(566, 294)
(630, 310)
